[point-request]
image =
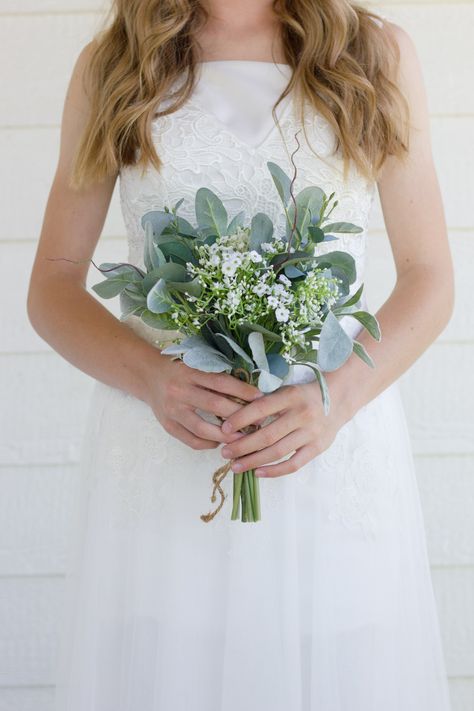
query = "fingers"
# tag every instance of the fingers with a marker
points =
(182, 433)
(262, 438)
(302, 456)
(259, 409)
(280, 449)
(228, 384)
(210, 401)
(201, 428)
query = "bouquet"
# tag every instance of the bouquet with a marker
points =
(245, 300)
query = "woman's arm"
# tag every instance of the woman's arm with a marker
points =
(415, 313)
(83, 331)
(59, 307)
(422, 301)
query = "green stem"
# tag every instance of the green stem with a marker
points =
(256, 496)
(237, 494)
(248, 496)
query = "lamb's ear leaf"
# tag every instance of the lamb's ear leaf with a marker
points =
(267, 382)
(352, 300)
(206, 359)
(184, 345)
(281, 180)
(323, 386)
(257, 346)
(369, 322)
(360, 351)
(335, 345)
(347, 227)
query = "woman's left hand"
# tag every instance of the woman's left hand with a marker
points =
(300, 425)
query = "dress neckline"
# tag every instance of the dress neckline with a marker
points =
(242, 61)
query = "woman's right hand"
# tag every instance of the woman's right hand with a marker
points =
(176, 391)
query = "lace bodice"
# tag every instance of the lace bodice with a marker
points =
(222, 138)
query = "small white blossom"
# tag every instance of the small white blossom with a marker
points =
(282, 314)
(255, 256)
(260, 289)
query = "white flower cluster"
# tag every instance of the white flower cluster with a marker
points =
(241, 285)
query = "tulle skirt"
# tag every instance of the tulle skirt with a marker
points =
(326, 604)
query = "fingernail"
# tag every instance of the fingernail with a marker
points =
(259, 472)
(237, 467)
(227, 426)
(225, 451)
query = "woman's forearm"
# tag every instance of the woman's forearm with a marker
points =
(84, 332)
(416, 312)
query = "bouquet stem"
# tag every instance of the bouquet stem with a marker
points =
(246, 492)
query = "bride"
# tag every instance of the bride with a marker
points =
(326, 604)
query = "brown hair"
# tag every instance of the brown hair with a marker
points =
(343, 62)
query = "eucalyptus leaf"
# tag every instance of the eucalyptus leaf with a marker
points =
(177, 250)
(210, 211)
(335, 345)
(154, 320)
(171, 271)
(152, 255)
(237, 221)
(115, 269)
(316, 234)
(281, 180)
(277, 364)
(309, 202)
(191, 287)
(340, 260)
(292, 272)
(158, 298)
(158, 219)
(137, 311)
(235, 347)
(261, 230)
(247, 326)
(130, 302)
(185, 228)
(111, 287)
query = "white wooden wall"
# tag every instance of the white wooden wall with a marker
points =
(40, 431)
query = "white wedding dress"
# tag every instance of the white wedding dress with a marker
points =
(327, 603)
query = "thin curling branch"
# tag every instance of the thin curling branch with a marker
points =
(104, 271)
(295, 172)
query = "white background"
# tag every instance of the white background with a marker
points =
(44, 398)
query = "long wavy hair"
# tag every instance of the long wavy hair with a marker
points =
(342, 61)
